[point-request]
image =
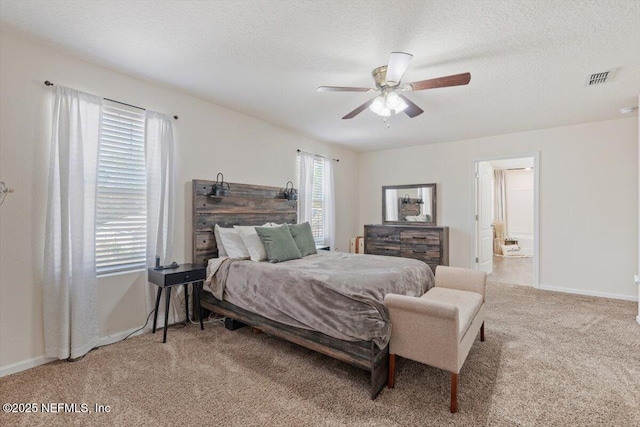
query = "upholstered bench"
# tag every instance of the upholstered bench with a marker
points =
(439, 328)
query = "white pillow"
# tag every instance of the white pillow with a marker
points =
(221, 250)
(252, 241)
(233, 243)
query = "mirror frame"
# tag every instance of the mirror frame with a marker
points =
(434, 204)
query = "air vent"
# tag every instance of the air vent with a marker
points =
(599, 78)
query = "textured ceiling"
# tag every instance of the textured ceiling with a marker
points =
(529, 60)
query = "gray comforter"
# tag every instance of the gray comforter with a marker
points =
(338, 294)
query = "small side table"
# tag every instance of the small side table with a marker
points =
(184, 274)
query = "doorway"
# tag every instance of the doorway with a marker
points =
(506, 241)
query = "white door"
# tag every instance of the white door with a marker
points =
(484, 219)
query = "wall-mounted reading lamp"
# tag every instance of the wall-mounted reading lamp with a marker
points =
(220, 188)
(290, 193)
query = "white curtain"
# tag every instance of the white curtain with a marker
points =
(391, 204)
(160, 205)
(70, 285)
(329, 205)
(500, 197)
(305, 193)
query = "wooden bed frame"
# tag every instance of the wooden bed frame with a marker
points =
(256, 205)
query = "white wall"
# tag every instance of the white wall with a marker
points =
(588, 198)
(209, 139)
(519, 194)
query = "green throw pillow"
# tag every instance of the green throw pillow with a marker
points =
(304, 238)
(278, 243)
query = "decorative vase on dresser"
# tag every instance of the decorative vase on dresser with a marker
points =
(428, 244)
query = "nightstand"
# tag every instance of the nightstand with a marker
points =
(183, 274)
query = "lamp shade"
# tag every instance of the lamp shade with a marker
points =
(385, 105)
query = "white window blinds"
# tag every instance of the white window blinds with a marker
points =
(317, 206)
(312, 194)
(121, 228)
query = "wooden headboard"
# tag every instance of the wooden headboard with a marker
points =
(246, 205)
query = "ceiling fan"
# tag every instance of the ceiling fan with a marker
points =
(387, 79)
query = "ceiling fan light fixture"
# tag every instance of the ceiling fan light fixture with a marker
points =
(385, 112)
(401, 107)
(378, 105)
(386, 105)
(393, 101)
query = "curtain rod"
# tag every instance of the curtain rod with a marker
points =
(48, 83)
(317, 155)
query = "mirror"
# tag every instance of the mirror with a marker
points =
(413, 204)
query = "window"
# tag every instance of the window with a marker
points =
(317, 206)
(317, 199)
(121, 210)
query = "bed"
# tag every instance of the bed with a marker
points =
(329, 302)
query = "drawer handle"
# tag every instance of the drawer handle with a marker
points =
(421, 238)
(419, 252)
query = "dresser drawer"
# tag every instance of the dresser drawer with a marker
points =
(183, 277)
(380, 240)
(382, 235)
(420, 237)
(423, 252)
(389, 250)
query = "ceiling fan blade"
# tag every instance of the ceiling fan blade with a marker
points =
(454, 80)
(344, 89)
(412, 110)
(359, 110)
(398, 64)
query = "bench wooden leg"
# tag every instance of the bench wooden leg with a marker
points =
(392, 371)
(482, 332)
(454, 393)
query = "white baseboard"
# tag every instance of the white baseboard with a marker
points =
(41, 360)
(588, 293)
(110, 339)
(24, 365)
(638, 318)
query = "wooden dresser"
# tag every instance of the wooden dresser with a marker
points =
(428, 244)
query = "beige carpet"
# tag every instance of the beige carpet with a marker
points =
(549, 359)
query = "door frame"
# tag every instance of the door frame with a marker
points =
(536, 207)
